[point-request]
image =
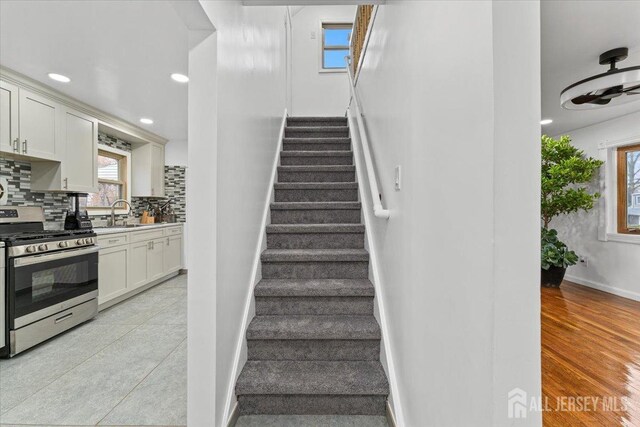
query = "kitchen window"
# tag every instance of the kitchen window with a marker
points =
(335, 46)
(113, 178)
(628, 165)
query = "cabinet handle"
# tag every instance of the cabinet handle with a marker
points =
(66, 183)
(16, 145)
(168, 241)
(113, 241)
(149, 246)
(24, 146)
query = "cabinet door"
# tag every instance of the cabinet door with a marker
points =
(8, 118)
(38, 127)
(173, 254)
(138, 259)
(155, 261)
(157, 170)
(112, 273)
(81, 136)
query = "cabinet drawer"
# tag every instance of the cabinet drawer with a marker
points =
(110, 240)
(172, 231)
(141, 236)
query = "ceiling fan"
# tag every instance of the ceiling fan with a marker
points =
(614, 87)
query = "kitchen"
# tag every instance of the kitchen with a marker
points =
(92, 215)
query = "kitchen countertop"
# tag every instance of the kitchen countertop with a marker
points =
(112, 230)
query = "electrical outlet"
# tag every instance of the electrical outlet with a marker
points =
(583, 261)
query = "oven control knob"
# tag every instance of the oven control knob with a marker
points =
(90, 240)
(43, 247)
(31, 249)
(79, 242)
(63, 244)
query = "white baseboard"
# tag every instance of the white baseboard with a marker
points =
(235, 414)
(604, 288)
(391, 418)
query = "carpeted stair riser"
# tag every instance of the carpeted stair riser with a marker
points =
(315, 270)
(315, 216)
(291, 175)
(316, 195)
(313, 349)
(312, 404)
(317, 160)
(324, 306)
(317, 144)
(316, 132)
(315, 240)
(316, 121)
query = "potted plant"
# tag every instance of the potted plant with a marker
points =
(565, 171)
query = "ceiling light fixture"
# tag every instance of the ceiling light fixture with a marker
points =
(146, 121)
(59, 78)
(180, 78)
(546, 122)
(605, 89)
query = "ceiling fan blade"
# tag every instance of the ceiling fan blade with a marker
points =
(582, 99)
(632, 93)
(601, 101)
(631, 89)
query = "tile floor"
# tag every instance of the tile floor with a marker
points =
(128, 366)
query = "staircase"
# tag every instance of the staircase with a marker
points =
(314, 345)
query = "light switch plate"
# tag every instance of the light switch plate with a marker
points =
(313, 35)
(398, 179)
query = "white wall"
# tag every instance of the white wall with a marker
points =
(250, 102)
(201, 339)
(458, 284)
(612, 266)
(316, 93)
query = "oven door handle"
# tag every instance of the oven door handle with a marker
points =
(37, 259)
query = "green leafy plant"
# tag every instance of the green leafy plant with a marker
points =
(565, 172)
(554, 253)
(564, 168)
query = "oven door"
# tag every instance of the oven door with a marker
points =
(42, 285)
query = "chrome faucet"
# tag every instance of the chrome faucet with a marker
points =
(113, 210)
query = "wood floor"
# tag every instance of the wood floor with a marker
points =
(590, 348)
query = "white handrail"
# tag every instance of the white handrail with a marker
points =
(378, 210)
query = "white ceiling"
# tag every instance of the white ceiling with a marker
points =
(118, 54)
(574, 34)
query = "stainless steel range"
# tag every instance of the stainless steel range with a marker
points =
(51, 278)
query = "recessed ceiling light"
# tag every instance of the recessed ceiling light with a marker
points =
(59, 78)
(180, 78)
(146, 121)
(546, 121)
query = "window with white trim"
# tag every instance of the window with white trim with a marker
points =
(335, 45)
(113, 175)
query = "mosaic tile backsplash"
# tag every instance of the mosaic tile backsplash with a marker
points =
(18, 174)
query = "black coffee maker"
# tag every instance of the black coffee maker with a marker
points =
(77, 217)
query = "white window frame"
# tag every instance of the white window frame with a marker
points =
(608, 204)
(324, 22)
(127, 196)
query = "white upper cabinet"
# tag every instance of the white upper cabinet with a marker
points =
(37, 127)
(147, 168)
(81, 141)
(8, 118)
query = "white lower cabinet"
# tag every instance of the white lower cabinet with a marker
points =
(155, 260)
(173, 254)
(112, 272)
(133, 259)
(138, 266)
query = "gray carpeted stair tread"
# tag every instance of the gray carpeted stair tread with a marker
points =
(317, 140)
(317, 168)
(311, 327)
(316, 205)
(315, 228)
(314, 288)
(316, 185)
(314, 255)
(327, 153)
(312, 378)
(294, 119)
(314, 129)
